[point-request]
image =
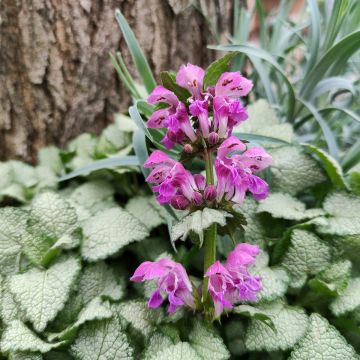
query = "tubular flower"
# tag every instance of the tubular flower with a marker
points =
(235, 171)
(232, 282)
(171, 280)
(173, 183)
(215, 110)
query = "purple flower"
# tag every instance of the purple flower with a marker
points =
(191, 77)
(234, 171)
(232, 282)
(175, 118)
(171, 179)
(171, 280)
(233, 84)
(199, 108)
(220, 286)
(238, 260)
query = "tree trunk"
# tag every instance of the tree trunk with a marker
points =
(56, 77)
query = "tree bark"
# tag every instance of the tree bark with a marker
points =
(56, 77)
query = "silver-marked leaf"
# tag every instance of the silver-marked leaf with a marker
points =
(180, 351)
(102, 340)
(207, 343)
(306, 255)
(349, 300)
(322, 341)
(9, 310)
(146, 210)
(284, 206)
(197, 222)
(156, 344)
(108, 232)
(12, 226)
(255, 313)
(18, 337)
(25, 356)
(41, 294)
(294, 171)
(290, 324)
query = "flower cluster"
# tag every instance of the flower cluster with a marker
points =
(203, 124)
(234, 166)
(212, 113)
(232, 282)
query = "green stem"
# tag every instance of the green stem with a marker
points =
(210, 233)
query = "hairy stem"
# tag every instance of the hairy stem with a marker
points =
(210, 233)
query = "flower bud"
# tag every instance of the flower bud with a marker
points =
(188, 148)
(179, 202)
(213, 138)
(210, 193)
(200, 181)
(197, 198)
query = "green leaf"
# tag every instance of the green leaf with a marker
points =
(108, 232)
(18, 337)
(343, 214)
(290, 324)
(284, 206)
(349, 300)
(334, 280)
(216, 68)
(141, 151)
(274, 280)
(51, 219)
(41, 294)
(147, 211)
(50, 157)
(315, 34)
(156, 344)
(12, 226)
(254, 313)
(330, 165)
(294, 171)
(24, 356)
(197, 222)
(136, 52)
(99, 280)
(108, 163)
(306, 255)
(9, 310)
(180, 351)
(264, 126)
(207, 343)
(169, 83)
(101, 340)
(94, 310)
(322, 341)
(139, 316)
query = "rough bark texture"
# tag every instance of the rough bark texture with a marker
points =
(56, 77)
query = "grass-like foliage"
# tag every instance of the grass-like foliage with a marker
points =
(74, 227)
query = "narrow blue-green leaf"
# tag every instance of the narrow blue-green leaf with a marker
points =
(264, 39)
(136, 52)
(351, 157)
(139, 144)
(328, 134)
(315, 34)
(108, 163)
(265, 79)
(135, 115)
(330, 62)
(259, 138)
(330, 84)
(251, 50)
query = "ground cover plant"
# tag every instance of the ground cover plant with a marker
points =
(76, 254)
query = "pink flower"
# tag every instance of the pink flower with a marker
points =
(191, 77)
(175, 118)
(171, 280)
(199, 108)
(232, 84)
(220, 286)
(171, 180)
(232, 282)
(235, 170)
